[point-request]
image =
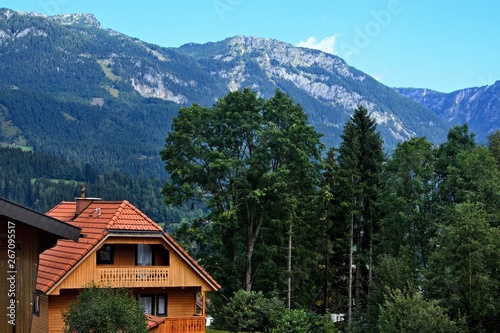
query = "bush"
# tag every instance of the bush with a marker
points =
(294, 321)
(252, 312)
(300, 321)
(103, 310)
(249, 312)
(413, 314)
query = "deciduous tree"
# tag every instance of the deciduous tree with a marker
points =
(253, 161)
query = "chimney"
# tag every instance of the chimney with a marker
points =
(82, 203)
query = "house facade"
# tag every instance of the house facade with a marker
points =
(121, 247)
(24, 234)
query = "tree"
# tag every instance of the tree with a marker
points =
(463, 270)
(249, 312)
(411, 313)
(360, 164)
(459, 140)
(104, 310)
(494, 146)
(335, 238)
(252, 161)
(409, 195)
(392, 273)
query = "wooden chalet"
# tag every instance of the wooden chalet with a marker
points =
(24, 234)
(121, 247)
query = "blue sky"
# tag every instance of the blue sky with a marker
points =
(442, 45)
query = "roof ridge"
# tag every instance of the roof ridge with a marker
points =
(116, 215)
(125, 204)
(147, 218)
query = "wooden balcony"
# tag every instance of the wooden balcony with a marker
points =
(183, 325)
(138, 276)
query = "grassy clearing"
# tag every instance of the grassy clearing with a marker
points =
(107, 71)
(25, 148)
(55, 181)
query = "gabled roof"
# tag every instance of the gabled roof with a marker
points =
(38, 220)
(98, 219)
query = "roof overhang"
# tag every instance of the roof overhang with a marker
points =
(18, 213)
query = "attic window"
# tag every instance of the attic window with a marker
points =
(105, 254)
(144, 255)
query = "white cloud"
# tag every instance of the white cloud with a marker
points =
(327, 44)
(380, 76)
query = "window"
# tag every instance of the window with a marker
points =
(36, 305)
(161, 305)
(147, 303)
(154, 304)
(144, 255)
(105, 254)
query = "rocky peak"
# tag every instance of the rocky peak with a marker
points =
(85, 20)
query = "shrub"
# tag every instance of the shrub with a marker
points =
(249, 312)
(413, 314)
(103, 310)
(301, 321)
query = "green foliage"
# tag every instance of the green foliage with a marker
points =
(104, 310)
(409, 204)
(391, 273)
(253, 312)
(360, 163)
(294, 321)
(494, 146)
(463, 272)
(411, 313)
(249, 312)
(301, 321)
(255, 163)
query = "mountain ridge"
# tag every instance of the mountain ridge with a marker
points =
(476, 106)
(93, 92)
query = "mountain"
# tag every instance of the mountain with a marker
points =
(71, 88)
(478, 107)
(322, 83)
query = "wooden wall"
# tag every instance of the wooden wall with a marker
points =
(180, 274)
(58, 304)
(27, 251)
(181, 302)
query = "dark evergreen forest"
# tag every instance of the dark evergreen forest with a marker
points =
(40, 181)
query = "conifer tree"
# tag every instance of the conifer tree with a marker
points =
(360, 164)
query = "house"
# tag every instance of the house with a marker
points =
(121, 247)
(24, 234)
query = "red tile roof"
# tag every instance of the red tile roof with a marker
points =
(97, 220)
(153, 321)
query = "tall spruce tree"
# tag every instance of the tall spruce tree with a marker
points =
(336, 239)
(360, 164)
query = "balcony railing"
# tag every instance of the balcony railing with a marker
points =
(183, 325)
(139, 276)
